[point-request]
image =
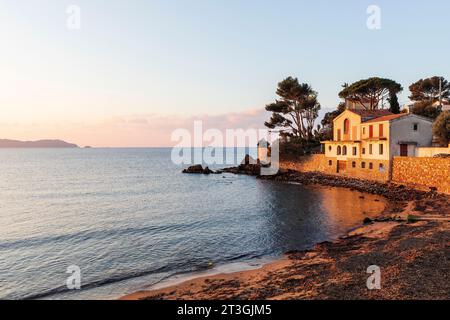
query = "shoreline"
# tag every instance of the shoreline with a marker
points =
(292, 276)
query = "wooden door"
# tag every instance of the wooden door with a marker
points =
(403, 150)
(370, 131)
(342, 166)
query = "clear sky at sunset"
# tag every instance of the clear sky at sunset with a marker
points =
(138, 69)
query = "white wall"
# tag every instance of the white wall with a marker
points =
(401, 130)
(431, 152)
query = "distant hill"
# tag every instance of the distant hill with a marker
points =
(5, 143)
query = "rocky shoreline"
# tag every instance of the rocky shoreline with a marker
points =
(390, 191)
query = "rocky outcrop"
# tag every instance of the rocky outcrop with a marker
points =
(248, 160)
(246, 169)
(198, 169)
(249, 166)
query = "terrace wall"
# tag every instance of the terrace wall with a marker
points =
(422, 172)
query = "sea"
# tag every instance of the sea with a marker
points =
(101, 223)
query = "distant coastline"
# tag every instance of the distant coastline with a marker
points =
(6, 143)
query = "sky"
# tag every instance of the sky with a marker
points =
(134, 71)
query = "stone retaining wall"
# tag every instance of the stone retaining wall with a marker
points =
(377, 170)
(315, 162)
(422, 172)
(370, 170)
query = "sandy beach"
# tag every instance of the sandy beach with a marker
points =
(410, 242)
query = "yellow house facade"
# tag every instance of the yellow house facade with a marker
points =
(364, 142)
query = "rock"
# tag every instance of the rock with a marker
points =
(249, 160)
(207, 171)
(194, 169)
(198, 169)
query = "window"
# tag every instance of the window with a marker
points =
(415, 126)
(370, 149)
(381, 168)
(338, 152)
(355, 151)
(370, 165)
(344, 150)
(346, 126)
(353, 164)
(330, 148)
(363, 165)
(381, 149)
(370, 131)
(380, 129)
(330, 163)
(363, 150)
(364, 130)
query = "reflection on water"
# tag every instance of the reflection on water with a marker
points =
(128, 217)
(344, 206)
(299, 217)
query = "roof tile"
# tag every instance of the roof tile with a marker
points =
(386, 118)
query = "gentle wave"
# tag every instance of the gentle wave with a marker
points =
(127, 276)
(98, 234)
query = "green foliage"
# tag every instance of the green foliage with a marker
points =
(296, 146)
(375, 90)
(393, 102)
(426, 109)
(441, 128)
(296, 111)
(326, 133)
(428, 89)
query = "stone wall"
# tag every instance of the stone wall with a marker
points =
(315, 162)
(422, 172)
(319, 162)
(377, 170)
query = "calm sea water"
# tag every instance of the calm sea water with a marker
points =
(128, 218)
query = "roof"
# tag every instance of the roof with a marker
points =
(408, 142)
(263, 142)
(371, 113)
(386, 118)
(367, 115)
